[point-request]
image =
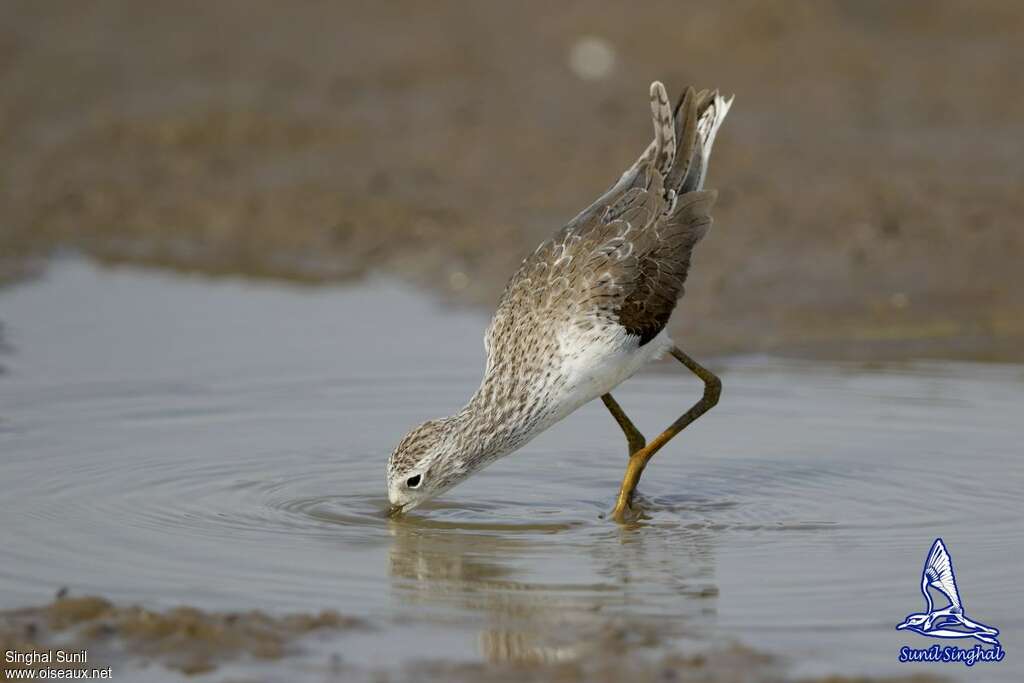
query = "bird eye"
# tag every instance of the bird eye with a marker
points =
(414, 481)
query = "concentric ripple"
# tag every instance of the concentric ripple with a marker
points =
(199, 456)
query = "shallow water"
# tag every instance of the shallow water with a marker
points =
(169, 440)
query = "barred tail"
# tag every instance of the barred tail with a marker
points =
(689, 136)
(698, 115)
(681, 149)
(711, 108)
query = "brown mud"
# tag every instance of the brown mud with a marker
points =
(184, 639)
(191, 641)
(870, 172)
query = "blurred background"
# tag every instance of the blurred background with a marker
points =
(870, 171)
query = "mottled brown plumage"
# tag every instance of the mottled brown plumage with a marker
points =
(626, 257)
(583, 312)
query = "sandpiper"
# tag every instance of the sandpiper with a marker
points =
(583, 313)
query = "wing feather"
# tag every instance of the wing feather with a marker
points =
(625, 258)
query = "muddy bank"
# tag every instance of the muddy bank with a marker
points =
(869, 172)
(191, 641)
(184, 639)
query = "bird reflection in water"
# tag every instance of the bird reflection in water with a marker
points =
(617, 590)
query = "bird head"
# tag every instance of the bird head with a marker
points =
(913, 621)
(425, 464)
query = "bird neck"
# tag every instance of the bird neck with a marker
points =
(493, 423)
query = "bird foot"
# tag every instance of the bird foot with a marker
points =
(623, 514)
(628, 511)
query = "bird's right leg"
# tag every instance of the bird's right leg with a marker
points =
(639, 459)
(634, 439)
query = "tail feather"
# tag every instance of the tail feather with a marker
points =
(686, 123)
(679, 153)
(712, 113)
(664, 129)
(698, 115)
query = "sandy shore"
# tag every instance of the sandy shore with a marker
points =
(870, 172)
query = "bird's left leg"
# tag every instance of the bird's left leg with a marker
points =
(634, 439)
(638, 460)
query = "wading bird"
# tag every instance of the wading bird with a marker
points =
(583, 313)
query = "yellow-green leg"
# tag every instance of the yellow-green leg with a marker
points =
(639, 457)
(634, 439)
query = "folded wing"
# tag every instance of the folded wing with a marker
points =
(629, 252)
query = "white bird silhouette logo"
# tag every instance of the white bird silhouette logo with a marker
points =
(950, 621)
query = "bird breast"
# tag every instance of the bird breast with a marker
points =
(596, 360)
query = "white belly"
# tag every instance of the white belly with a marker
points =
(595, 362)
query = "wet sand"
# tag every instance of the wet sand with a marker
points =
(225, 450)
(870, 171)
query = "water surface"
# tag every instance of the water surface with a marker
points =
(169, 440)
